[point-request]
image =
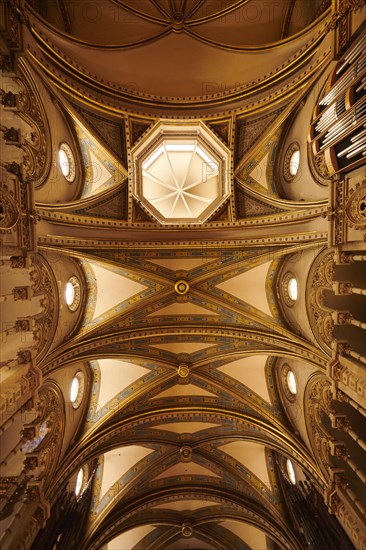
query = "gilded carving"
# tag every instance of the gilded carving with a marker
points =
(318, 166)
(36, 160)
(9, 211)
(317, 399)
(187, 530)
(8, 99)
(43, 449)
(11, 135)
(320, 280)
(344, 7)
(185, 453)
(20, 293)
(43, 285)
(17, 262)
(356, 206)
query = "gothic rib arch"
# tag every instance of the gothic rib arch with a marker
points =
(120, 429)
(235, 507)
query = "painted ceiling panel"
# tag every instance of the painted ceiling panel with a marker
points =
(112, 288)
(115, 376)
(260, 171)
(184, 389)
(130, 538)
(119, 461)
(250, 372)
(252, 456)
(183, 308)
(186, 427)
(190, 505)
(99, 174)
(193, 543)
(249, 287)
(253, 536)
(102, 170)
(186, 468)
(189, 347)
(182, 264)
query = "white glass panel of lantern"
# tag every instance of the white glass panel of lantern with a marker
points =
(79, 482)
(293, 289)
(198, 172)
(153, 157)
(180, 162)
(74, 390)
(161, 171)
(69, 293)
(294, 163)
(290, 471)
(64, 162)
(154, 190)
(291, 382)
(166, 205)
(207, 159)
(179, 147)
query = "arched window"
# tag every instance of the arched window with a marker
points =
(290, 472)
(79, 482)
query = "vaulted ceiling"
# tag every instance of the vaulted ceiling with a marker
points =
(182, 327)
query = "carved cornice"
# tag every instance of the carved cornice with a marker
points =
(317, 400)
(37, 150)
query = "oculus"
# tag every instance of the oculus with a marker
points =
(77, 389)
(291, 382)
(72, 293)
(294, 163)
(291, 162)
(292, 289)
(289, 288)
(182, 173)
(67, 162)
(287, 382)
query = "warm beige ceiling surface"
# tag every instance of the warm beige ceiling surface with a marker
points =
(212, 56)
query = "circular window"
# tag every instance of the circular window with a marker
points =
(292, 289)
(291, 382)
(79, 482)
(77, 389)
(67, 162)
(291, 162)
(289, 288)
(290, 472)
(294, 163)
(287, 382)
(72, 293)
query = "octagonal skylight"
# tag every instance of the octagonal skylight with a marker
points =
(181, 173)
